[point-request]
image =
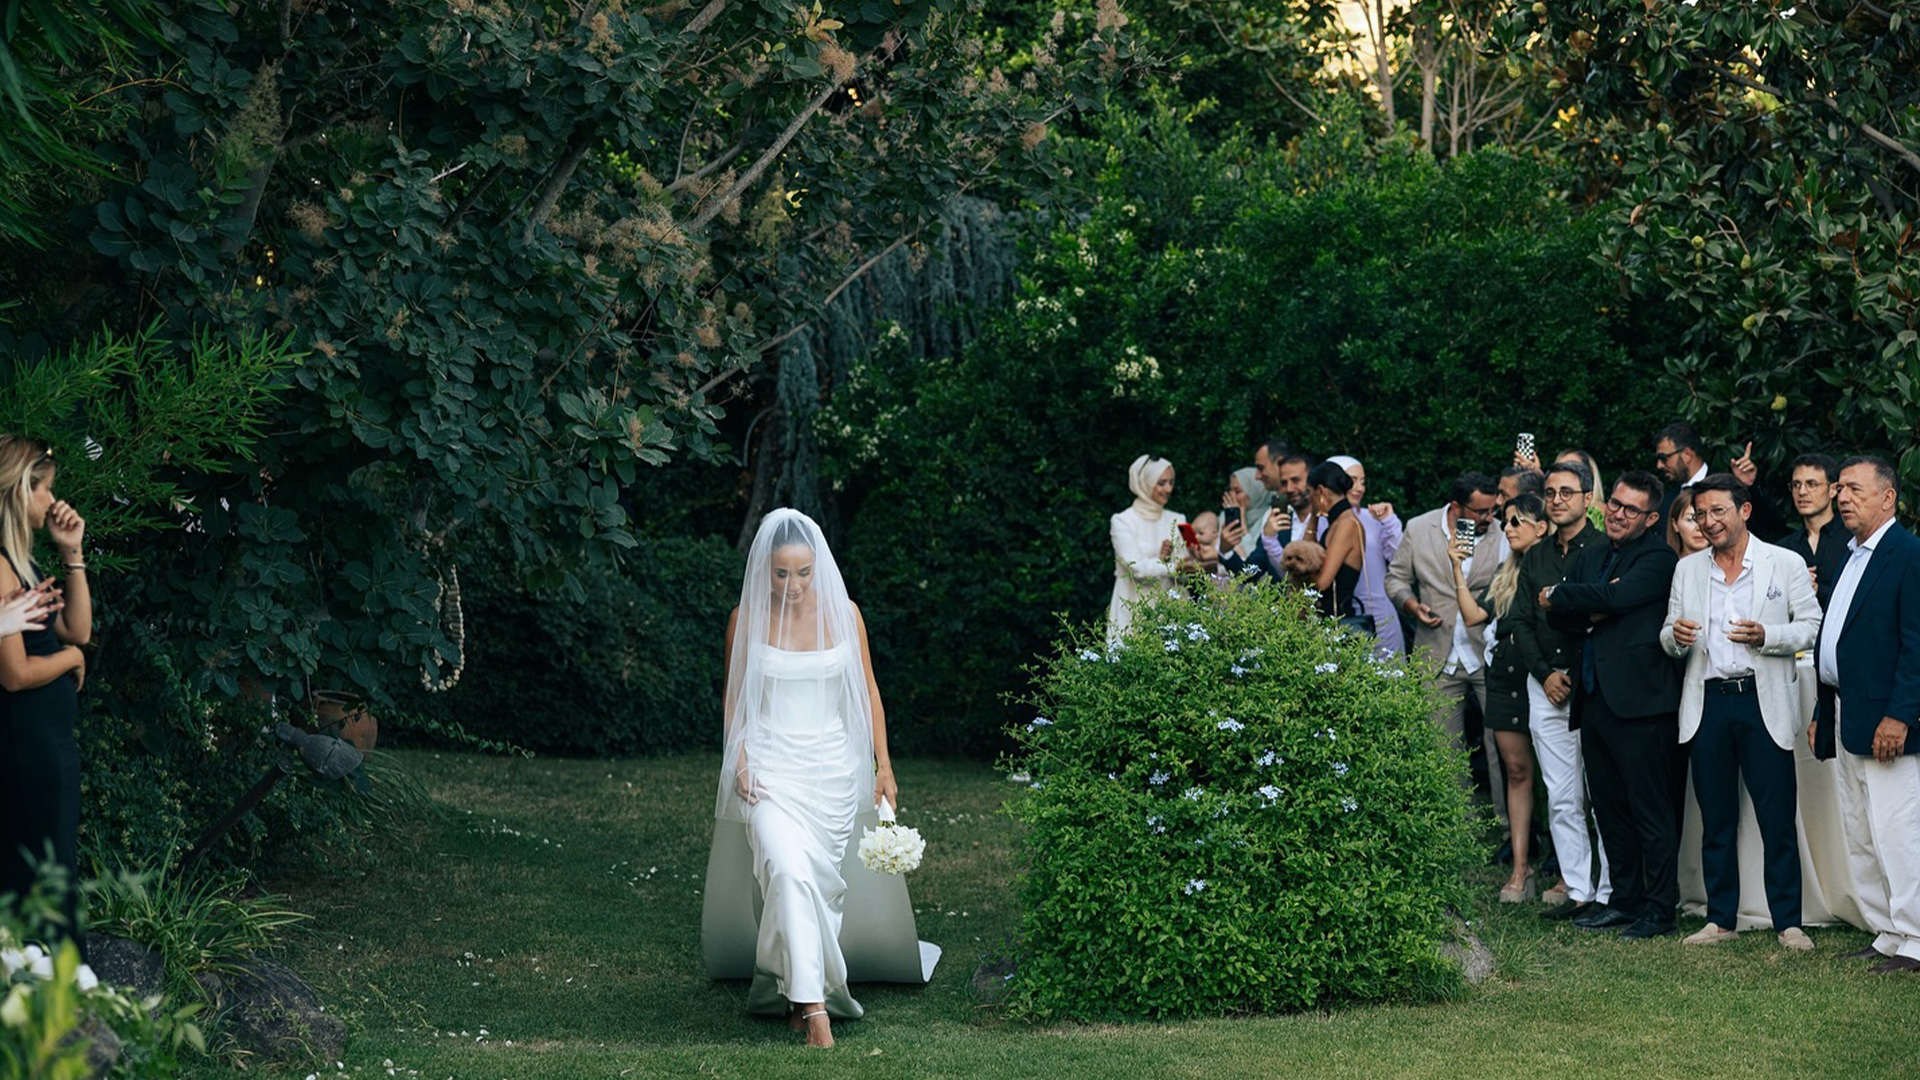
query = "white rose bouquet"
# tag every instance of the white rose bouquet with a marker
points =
(891, 848)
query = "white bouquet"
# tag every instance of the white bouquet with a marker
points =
(891, 848)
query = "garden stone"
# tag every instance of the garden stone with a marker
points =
(124, 963)
(1467, 950)
(103, 1045)
(269, 1011)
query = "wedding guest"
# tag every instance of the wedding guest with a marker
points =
(1680, 457)
(1549, 656)
(1383, 531)
(1143, 536)
(1868, 658)
(1822, 538)
(1206, 529)
(1517, 480)
(1683, 533)
(1266, 466)
(1332, 515)
(1736, 614)
(1293, 491)
(42, 672)
(1525, 524)
(1245, 506)
(1420, 583)
(1625, 703)
(1595, 496)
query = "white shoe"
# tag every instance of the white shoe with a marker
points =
(1710, 934)
(1796, 939)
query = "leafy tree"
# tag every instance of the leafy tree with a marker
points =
(1757, 168)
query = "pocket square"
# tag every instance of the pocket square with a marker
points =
(1773, 592)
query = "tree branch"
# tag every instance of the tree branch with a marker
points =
(707, 15)
(556, 184)
(759, 167)
(708, 169)
(1905, 152)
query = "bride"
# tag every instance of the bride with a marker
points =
(806, 749)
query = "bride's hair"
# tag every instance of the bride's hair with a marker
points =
(789, 532)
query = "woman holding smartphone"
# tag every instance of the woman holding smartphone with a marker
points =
(41, 674)
(1143, 542)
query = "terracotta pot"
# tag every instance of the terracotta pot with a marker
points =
(345, 715)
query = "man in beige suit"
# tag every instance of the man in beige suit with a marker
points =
(1737, 614)
(1420, 583)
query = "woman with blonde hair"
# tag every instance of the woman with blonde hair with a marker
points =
(1506, 710)
(41, 673)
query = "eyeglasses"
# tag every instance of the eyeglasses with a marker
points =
(1516, 520)
(1661, 459)
(1615, 506)
(1562, 494)
(1717, 513)
(1808, 485)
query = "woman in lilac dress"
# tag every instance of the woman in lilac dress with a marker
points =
(1382, 527)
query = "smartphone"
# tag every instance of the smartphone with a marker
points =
(1523, 444)
(1464, 534)
(1229, 516)
(1187, 534)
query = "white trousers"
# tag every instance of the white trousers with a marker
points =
(1562, 769)
(1880, 811)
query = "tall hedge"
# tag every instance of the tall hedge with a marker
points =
(1351, 297)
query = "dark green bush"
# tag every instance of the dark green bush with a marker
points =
(631, 665)
(1236, 811)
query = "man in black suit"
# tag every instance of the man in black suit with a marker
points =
(1869, 663)
(1626, 702)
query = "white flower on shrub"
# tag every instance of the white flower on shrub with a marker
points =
(1310, 593)
(1327, 668)
(13, 1011)
(1155, 823)
(1270, 793)
(1349, 805)
(1340, 768)
(1196, 885)
(11, 960)
(1173, 646)
(1089, 655)
(1192, 794)
(85, 979)
(1230, 724)
(1159, 777)
(1196, 632)
(1237, 670)
(1270, 759)
(1038, 723)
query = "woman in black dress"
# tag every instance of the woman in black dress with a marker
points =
(41, 673)
(1344, 539)
(1506, 712)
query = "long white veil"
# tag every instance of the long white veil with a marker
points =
(806, 609)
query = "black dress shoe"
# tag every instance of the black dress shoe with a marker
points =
(1571, 909)
(1648, 926)
(1603, 917)
(1868, 953)
(1895, 965)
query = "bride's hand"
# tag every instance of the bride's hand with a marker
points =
(746, 785)
(884, 787)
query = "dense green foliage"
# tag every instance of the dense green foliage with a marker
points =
(1756, 168)
(1349, 298)
(1235, 810)
(631, 665)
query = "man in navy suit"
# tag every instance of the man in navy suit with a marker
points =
(1626, 702)
(1869, 663)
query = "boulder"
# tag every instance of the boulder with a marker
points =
(269, 1011)
(126, 964)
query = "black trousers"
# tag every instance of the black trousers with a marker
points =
(1630, 770)
(1733, 745)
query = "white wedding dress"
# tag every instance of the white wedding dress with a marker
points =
(805, 881)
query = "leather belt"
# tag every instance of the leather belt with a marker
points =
(1741, 685)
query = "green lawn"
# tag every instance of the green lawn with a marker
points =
(549, 927)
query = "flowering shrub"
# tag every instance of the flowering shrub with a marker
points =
(52, 1006)
(1236, 810)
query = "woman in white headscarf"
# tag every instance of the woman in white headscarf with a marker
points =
(1146, 537)
(1251, 499)
(806, 750)
(1382, 528)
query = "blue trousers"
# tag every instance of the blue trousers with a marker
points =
(1733, 745)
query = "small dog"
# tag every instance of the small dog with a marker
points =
(1301, 562)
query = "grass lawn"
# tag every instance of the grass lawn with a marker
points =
(548, 926)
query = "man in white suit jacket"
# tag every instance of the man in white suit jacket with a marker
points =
(1737, 613)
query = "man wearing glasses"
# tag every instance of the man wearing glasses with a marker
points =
(1822, 538)
(1550, 658)
(1680, 457)
(1737, 614)
(1626, 694)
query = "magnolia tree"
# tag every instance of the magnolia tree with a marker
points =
(527, 248)
(1759, 167)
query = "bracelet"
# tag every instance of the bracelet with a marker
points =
(74, 565)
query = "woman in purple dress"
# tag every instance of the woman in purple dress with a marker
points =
(1382, 527)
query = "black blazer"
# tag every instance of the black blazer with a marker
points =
(1878, 651)
(1634, 674)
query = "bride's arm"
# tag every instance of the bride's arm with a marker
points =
(884, 786)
